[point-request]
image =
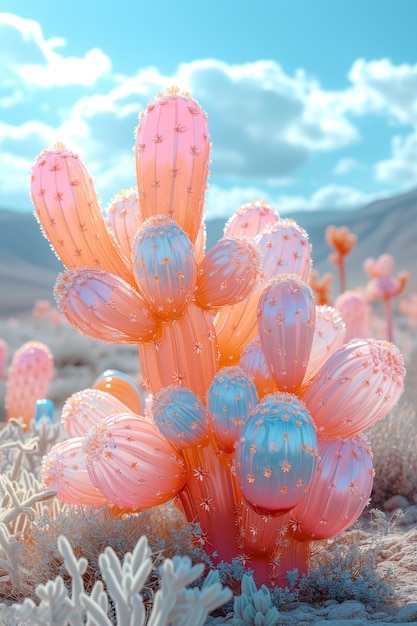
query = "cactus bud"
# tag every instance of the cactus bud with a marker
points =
(230, 400)
(276, 454)
(172, 160)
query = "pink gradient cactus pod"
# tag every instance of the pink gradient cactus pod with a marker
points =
(356, 314)
(276, 454)
(356, 387)
(231, 398)
(329, 335)
(250, 219)
(105, 307)
(180, 417)
(172, 152)
(123, 387)
(63, 469)
(254, 363)
(123, 218)
(69, 213)
(339, 491)
(30, 374)
(286, 322)
(131, 463)
(164, 266)
(86, 407)
(285, 249)
(228, 273)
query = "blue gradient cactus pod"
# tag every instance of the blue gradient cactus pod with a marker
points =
(181, 417)
(231, 398)
(164, 266)
(276, 454)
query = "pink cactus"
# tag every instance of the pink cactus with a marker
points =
(29, 376)
(258, 406)
(342, 241)
(172, 160)
(250, 219)
(355, 311)
(123, 218)
(384, 286)
(64, 470)
(84, 408)
(122, 452)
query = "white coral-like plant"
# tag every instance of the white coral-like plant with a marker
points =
(174, 602)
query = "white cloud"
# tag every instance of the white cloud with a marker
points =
(381, 86)
(27, 57)
(264, 123)
(221, 203)
(346, 165)
(401, 168)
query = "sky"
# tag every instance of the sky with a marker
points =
(311, 104)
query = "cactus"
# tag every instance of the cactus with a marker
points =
(384, 286)
(342, 241)
(28, 380)
(257, 407)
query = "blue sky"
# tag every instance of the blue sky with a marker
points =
(311, 103)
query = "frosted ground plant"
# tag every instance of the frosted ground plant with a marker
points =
(174, 602)
(192, 315)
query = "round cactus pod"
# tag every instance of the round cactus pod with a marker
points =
(356, 313)
(339, 491)
(276, 454)
(124, 387)
(105, 307)
(30, 374)
(286, 320)
(172, 159)
(63, 469)
(231, 398)
(123, 218)
(356, 387)
(69, 213)
(250, 219)
(180, 417)
(253, 362)
(86, 407)
(133, 465)
(164, 266)
(329, 335)
(285, 249)
(228, 272)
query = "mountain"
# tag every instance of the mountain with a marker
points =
(28, 267)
